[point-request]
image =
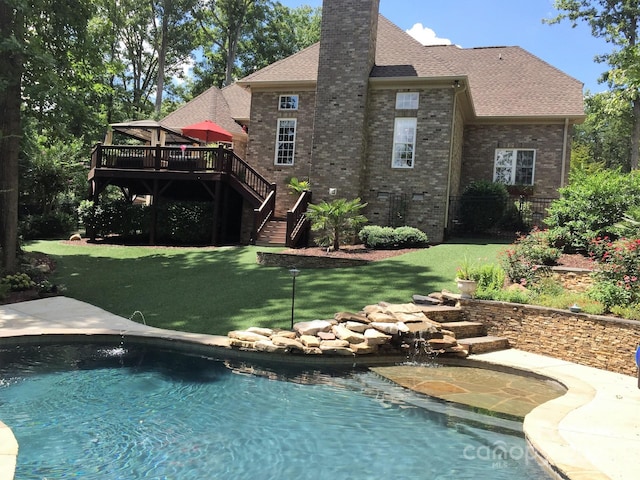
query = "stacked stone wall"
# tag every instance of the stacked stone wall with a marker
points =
(596, 341)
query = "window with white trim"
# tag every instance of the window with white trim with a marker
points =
(285, 141)
(514, 166)
(404, 142)
(407, 100)
(288, 102)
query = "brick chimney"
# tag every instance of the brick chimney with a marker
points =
(347, 55)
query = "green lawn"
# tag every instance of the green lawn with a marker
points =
(217, 290)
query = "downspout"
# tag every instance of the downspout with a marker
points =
(458, 89)
(565, 141)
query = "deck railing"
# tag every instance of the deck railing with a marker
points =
(297, 222)
(263, 214)
(183, 159)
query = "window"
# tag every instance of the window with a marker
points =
(288, 102)
(407, 101)
(404, 142)
(285, 141)
(514, 166)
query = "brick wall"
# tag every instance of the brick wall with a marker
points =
(480, 142)
(261, 151)
(596, 341)
(424, 187)
(347, 52)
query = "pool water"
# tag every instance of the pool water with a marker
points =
(104, 412)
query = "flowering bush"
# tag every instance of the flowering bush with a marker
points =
(529, 257)
(617, 277)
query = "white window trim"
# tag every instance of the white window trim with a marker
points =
(398, 164)
(291, 96)
(399, 102)
(514, 164)
(293, 150)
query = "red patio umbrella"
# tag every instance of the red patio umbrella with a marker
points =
(207, 131)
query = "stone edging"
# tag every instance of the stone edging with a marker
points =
(269, 259)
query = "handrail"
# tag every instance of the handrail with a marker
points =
(297, 222)
(263, 214)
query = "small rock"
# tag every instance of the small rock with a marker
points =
(343, 333)
(269, 346)
(380, 317)
(326, 336)
(43, 268)
(445, 342)
(426, 328)
(334, 343)
(285, 333)
(312, 327)
(350, 317)
(312, 351)
(310, 341)
(287, 342)
(234, 342)
(375, 337)
(336, 350)
(246, 336)
(267, 332)
(413, 317)
(76, 237)
(369, 309)
(390, 328)
(356, 326)
(426, 300)
(363, 348)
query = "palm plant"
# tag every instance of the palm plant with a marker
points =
(336, 220)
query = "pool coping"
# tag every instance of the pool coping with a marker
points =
(585, 434)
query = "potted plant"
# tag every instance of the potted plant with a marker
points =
(467, 276)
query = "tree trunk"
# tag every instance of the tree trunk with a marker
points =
(635, 135)
(162, 54)
(11, 68)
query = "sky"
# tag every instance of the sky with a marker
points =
(487, 23)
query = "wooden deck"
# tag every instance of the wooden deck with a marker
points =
(215, 175)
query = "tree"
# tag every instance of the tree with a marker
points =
(39, 40)
(336, 220)
(241, 36)
(618, 22)
(604, 139)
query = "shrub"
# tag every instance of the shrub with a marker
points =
(50, 225)
(482, 205)
(617, 277)
(376, 237)
(490, 277)
(528, 259)
(185, 222)
(18, 282)
(590, 206)
(407, 237)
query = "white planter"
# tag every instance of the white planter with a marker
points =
(467, 287)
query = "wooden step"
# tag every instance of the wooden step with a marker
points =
(274, 233)
(484, 344)
(466, 329)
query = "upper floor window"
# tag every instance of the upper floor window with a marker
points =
(407, 101)
(514, 166)
(404, 142)
(288, 102)
(285, 141)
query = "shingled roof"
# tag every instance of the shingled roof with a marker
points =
(223, 106)
(503, 81)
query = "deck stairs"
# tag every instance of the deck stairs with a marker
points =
(273, 234)
(471, 335)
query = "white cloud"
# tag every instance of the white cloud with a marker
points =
(426, 36)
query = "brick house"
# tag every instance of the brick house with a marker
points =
(369, 112)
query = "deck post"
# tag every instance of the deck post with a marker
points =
(154, 214)
(217, 203)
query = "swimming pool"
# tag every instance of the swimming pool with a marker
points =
(134, 412)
